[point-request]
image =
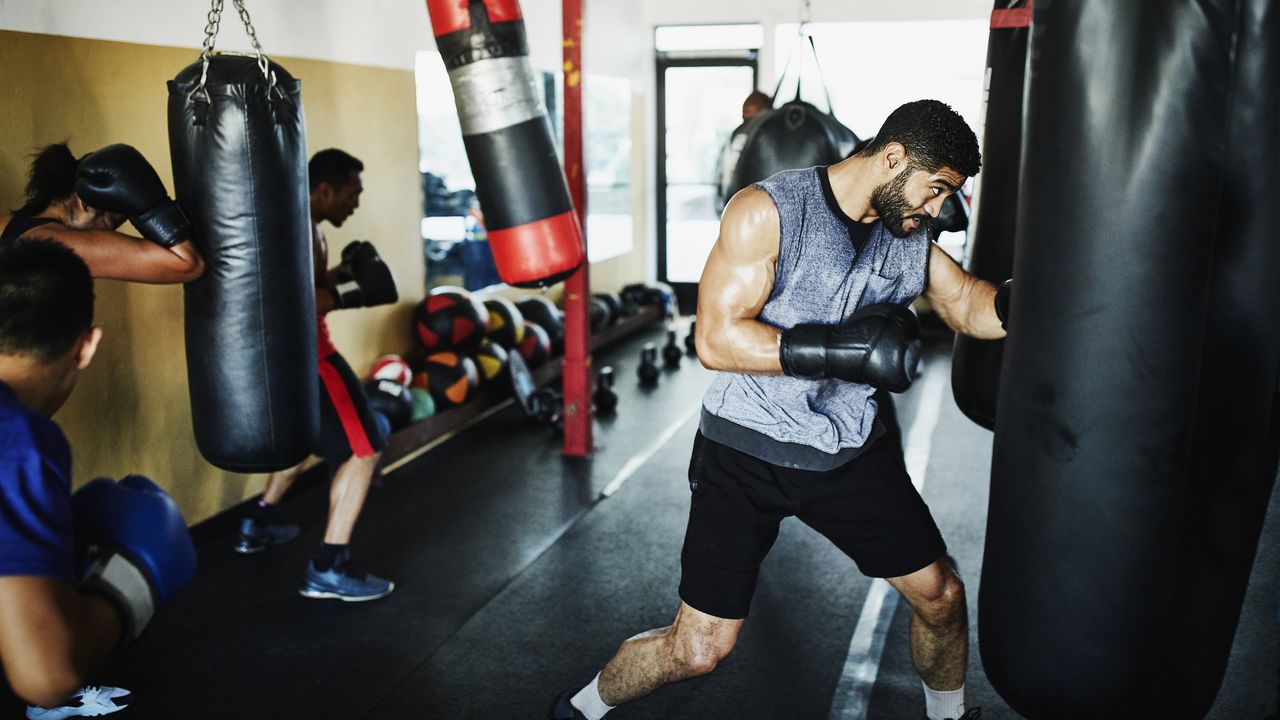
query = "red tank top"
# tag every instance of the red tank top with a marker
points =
(323, 343)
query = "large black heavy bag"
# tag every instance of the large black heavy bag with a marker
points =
(1135, 439)
(240, 172)
(796, 135)
(975, 364)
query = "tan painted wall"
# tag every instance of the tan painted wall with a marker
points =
(131, 411)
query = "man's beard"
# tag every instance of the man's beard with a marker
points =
(890, 203)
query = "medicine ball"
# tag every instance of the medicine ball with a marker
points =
(491, 361)
(465, 294)
(449, 377)
(506, 323)
(424, 406)
(391, 399)
(536, 346)
(391, 367)
(539, 309)
(599, 314)
(450, 321)
(614, 302)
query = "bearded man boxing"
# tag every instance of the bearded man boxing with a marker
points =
(350, 440)
(803, 311)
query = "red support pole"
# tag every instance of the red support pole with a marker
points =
(577, 289)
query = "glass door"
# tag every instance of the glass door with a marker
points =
(699, 105)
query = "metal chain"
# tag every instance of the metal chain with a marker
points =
(253, 38)
(211, 35)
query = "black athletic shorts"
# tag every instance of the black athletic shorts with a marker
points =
(347, 426)
(867, 507)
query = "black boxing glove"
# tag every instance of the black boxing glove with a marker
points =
(363, 279)
(879, 345)
(1002, 302)
(117, 179)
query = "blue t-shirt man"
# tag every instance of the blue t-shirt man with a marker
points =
(35, 494)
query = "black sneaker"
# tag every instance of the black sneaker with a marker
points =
(562, 709)
(256, 536)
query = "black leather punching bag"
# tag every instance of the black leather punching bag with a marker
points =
(238, 144)
(1136, 439)
(796, 135)
(975, 364)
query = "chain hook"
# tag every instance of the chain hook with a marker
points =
(211, 29)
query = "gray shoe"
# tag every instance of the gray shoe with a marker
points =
(256, 536)
(344, 582)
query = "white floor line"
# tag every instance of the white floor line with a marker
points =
(643, 456)
(862, 664)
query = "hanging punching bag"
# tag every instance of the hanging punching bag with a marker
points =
(796, 135)
(238, 145)
(975, 364)
(1135, 444)
(533, 231)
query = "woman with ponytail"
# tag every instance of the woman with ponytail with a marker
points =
(116, 179)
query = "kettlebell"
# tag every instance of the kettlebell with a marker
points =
(605, 398)
(648, 370)
(671, 353)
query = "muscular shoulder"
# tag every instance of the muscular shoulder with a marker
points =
(750, 224)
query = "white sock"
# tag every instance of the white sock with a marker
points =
(588, 700)
(943, 705)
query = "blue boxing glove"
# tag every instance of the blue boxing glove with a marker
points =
(140, 552)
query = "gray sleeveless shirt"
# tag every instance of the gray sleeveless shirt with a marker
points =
(821, 278)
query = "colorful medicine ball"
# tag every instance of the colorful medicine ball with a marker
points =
(506, 323)
(449, 377)
(450, 321)
(391, 367)
(539, 309)
(491, 361)
(391, 399)
(424, 406)
(536, 346)
(463, 293)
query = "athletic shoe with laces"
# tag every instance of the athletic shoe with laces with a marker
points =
(88, 701)
(256, 536)
(344, 582)
(562, 709)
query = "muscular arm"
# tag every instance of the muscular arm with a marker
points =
(965, 302)
(325, 278)
(117, 256)
(735, 285)
(51, 637)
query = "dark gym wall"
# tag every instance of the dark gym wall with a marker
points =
(131, 412)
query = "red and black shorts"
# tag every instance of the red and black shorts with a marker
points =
(867, 507)
(347, 426)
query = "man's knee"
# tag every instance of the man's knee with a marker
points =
(942, 602)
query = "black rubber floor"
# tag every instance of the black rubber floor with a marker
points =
(515, 581)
